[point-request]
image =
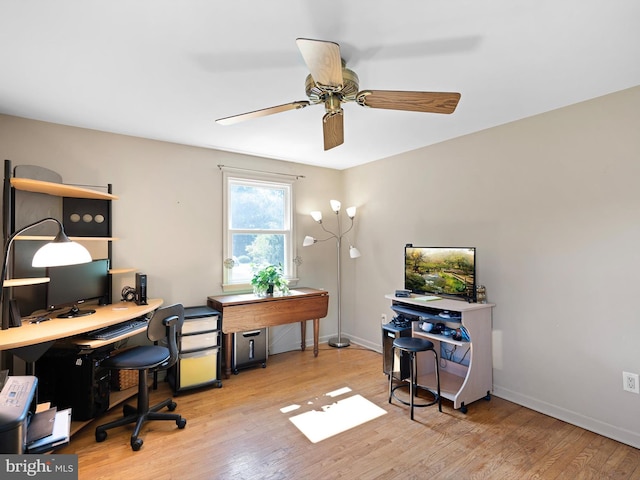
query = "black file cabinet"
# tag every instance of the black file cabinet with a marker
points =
(198, 362)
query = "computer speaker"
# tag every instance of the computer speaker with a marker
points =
(141, 289)
(14, 314)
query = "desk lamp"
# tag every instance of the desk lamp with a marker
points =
(60, 251)
(338, 342)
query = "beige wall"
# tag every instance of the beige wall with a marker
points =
(168, 219)
(553, 206)
(550, 202)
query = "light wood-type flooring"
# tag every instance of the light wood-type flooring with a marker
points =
(238, 432)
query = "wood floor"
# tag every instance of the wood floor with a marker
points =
(238, 432)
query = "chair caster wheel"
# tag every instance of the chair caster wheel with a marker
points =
(101, 436)
(136, 444)
(172, 406)
(181, 423)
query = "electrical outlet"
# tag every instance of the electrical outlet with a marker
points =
(630, 382)
(383, 318)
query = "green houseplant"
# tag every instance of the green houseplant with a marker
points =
(268, 280)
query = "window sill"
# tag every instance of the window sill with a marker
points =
(247, 288)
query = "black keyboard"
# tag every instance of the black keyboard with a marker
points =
(107, 333)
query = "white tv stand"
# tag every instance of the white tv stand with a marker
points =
(462, 384)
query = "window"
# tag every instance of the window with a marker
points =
(258, 226)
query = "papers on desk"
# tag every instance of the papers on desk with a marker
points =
(41, 425)
(59, 436)
(428, 298)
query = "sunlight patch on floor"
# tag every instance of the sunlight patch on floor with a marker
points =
(329, 417)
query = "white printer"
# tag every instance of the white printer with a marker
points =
(16, 399)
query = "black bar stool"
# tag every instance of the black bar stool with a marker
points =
(411, 346)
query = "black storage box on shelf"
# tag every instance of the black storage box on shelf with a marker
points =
(198, 362)
(86, 217)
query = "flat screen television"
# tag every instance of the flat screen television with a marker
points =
(73, 285)
(441, 271)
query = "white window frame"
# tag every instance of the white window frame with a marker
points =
(289, 265)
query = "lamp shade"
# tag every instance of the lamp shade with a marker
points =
(351, 212)
(61, 251)
(335, 205)
(58, 254)
(308, 241)
(317, 216)
(353, 252)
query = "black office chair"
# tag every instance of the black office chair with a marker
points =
(163, 328)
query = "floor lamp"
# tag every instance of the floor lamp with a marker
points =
(60, 251)
(338, 341)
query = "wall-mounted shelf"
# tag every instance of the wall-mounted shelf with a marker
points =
(120, 271)
(59, 189)
(20, 282)
(45, 238)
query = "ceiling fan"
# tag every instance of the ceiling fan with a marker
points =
(331, 83)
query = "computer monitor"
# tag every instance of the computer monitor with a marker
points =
(446, 271)
(73, 285)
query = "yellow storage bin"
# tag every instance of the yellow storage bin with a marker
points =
(198, 368)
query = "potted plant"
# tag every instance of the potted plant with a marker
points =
(269, 279)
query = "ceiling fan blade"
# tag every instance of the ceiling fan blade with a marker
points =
(262, 113)
(431, 102)
(333, 129)
(324, 62)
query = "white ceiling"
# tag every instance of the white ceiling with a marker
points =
(166, 69)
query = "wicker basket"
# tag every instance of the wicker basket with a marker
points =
(123, 379)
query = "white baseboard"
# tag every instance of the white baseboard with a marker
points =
(611, 431)
(286, 343)
(364, 343)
